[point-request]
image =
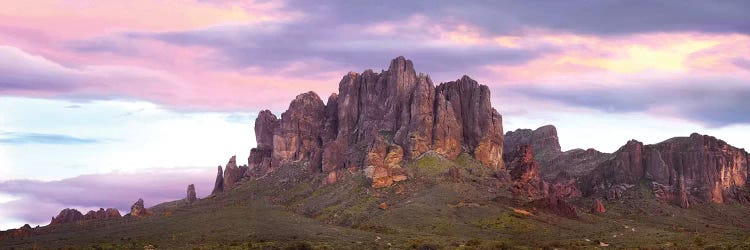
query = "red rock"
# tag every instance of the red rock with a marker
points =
(102, 214)
(331, 178)
(699, 167)
(598, 207)
(378, 120)
(473, 122)
(138, 209)
(298, 137)
(232, 174)
(556, 205)
(383, 206)
(524, 172)
(259, 161)
(67, 215)
(24, 231)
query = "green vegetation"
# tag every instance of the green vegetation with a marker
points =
(293, 209)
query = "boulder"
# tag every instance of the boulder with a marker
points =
(598, 207)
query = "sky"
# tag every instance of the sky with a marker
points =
(138, 99)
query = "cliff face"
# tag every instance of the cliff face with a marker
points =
(378, 120)
(544, 140)
(698, 168)
(553, 161)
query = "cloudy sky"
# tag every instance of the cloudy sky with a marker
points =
(103, 102)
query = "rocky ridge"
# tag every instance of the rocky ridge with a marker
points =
(553, 161)
(70, 215)
(377, 122)
(682, 170)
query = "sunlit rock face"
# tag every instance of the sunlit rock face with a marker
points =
(698, 168)
(377, 121)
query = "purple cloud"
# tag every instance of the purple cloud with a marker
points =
(118, 190)
(41, 138)
(714, 101)
(604, 17)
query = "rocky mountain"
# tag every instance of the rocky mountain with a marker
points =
(544, 140)
(681, 170)
(393, 161)
(554, 162)
(376, 122)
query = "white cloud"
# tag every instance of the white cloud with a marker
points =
(132, 135)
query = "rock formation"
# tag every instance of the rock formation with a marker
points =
(556, 205)
(697, 168)
(298, 138)
(544, 140)
(102, 214)
(191, 197)
(138, 209)
(219, 183)
(379, 120)
(524, 172)
(24, 231)
(232, 173)
(573, 163)
(260, 156)
(67, 215)
(70, 215)
(598, 207)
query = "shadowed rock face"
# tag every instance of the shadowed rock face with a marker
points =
(191, 197)
(219, 183)
(378, 120)
(573, 163)
(698, 168)
(544, 140)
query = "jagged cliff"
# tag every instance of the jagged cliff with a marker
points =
(553, 161)
(378, 120)
(698, 168)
